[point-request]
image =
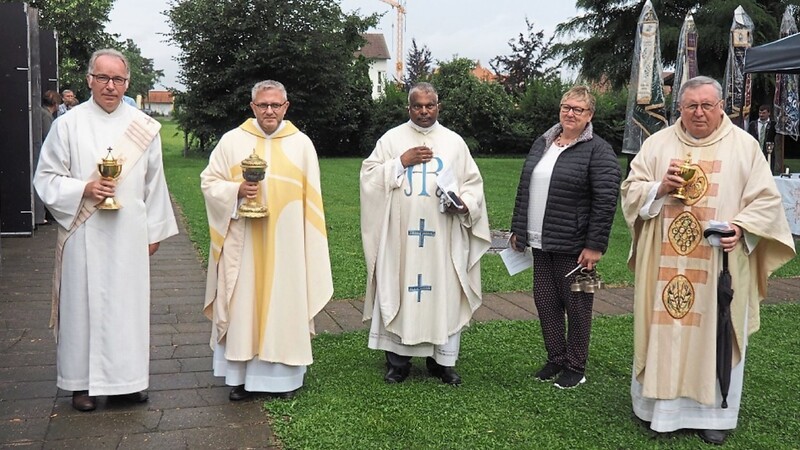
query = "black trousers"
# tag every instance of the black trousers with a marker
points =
(566, 341)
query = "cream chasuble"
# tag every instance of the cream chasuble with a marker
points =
(104, 312)
(267, 278)
(676, 270)
(423, 266)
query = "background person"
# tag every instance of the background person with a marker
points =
(423, 263)
(101, 298)
(763, 130)
(564, 209)
(268, 277)
(674, 383)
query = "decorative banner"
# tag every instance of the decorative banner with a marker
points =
(685, 63)
(737, 83)
(646, 111)
(785, 105)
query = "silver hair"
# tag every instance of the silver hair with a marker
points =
(108, 52)
(268, 84)
(425, 88)
(697, 82)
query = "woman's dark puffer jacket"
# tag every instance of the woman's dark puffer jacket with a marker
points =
(582, 198)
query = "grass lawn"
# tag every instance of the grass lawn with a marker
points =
(345, 403)
(340, 194)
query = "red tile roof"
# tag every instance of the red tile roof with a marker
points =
(375, 47)
(159, 97)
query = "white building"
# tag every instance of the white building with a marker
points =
(377, 53)
(159, 102)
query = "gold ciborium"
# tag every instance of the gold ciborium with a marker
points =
(254, 169)
(687, 173)
(110, 169)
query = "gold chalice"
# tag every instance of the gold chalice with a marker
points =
(687, 173)
(110, 169)
(254, 169)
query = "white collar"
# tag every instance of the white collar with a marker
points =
(423, 130)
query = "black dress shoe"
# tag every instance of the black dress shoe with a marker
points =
(134, 397)
(82, 401)
(395, 374)
(239, 393)
(716, 437)
(282, 395)
(448, 375)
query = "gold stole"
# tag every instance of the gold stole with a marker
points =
(129, 147)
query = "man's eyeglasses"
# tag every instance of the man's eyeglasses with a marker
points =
(706, 107)
(104, 79)
(266, 106)
(577, 110)
(418, 108)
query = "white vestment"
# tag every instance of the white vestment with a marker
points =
(104, 312)
(267, 277)
(423, 266)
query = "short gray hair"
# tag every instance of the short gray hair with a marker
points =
(108, 52)
(425, 88)
(268, 84)
(698, 81)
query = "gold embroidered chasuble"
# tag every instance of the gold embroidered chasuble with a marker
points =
(269, 277)
(676, 270)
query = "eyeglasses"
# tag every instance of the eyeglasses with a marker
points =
(418, 107)
(577, 110)
(104, 79)
(266, 106)
(706, 107)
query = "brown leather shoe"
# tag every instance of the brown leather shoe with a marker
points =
(82, 402)
(239, 393)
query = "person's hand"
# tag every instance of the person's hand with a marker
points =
(729, 243)
(153, 248)
(588, 258)
(512, 242)
(248, 189)
(672, 180)
(416, 155)
(453, 209)
(100, 189)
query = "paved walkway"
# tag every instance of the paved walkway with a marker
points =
(188, 407)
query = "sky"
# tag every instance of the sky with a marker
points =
(469, 29)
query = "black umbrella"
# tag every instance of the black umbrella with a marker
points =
(724, 325)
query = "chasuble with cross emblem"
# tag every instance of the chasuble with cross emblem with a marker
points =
(423, 266)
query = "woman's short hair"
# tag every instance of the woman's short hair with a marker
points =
(581, 93)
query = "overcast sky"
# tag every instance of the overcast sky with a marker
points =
(470, 29)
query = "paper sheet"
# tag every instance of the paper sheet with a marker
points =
(516, 261)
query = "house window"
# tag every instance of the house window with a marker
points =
(381, 81)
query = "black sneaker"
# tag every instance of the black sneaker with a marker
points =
(569, 379)
(548, 372)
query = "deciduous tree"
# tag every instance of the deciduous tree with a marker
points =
(531, 57)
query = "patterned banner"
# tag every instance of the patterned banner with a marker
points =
(737, 83)
(646, 111)
(686, 63)
(787, 113)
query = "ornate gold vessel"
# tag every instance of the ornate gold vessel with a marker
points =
(254, 169)
(110, 169)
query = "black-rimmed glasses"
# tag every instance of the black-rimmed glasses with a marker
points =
(104, 79)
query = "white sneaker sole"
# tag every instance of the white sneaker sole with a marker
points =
(583, 380)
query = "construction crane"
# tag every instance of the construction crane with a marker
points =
(401, 15)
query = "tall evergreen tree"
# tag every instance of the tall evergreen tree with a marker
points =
(530, 58)
(418, 65)
(601, 38)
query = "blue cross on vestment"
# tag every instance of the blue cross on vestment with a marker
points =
(422, 233)
(419, 288)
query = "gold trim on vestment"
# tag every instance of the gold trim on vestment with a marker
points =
(696, 187)
(678, 296)
(684, 233)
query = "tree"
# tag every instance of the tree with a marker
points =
(601, 39)
(529, 59)
(418, 65)
(143, 75)
(481, 112)
(80, 26)
(228, 46)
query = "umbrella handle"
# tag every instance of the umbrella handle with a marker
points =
(722, 234)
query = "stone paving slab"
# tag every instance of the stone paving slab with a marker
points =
(188, 407)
